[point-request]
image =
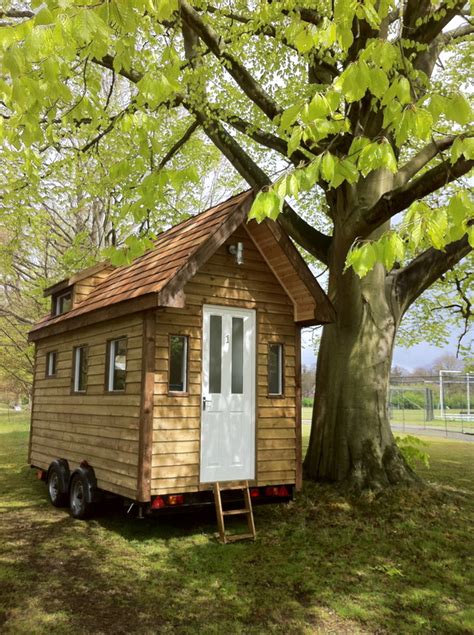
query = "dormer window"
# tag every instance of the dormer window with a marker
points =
(62, 302)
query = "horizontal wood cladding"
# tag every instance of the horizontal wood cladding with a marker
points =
(96, 426)
(177, 418)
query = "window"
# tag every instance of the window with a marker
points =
(51, 362)
(237, 355)
(116, 364)
(215, 354)
(80, 369)
(275, 369)
(178, 380)
(62, 303)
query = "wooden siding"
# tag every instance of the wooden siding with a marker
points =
(96, 426)
(177, 419)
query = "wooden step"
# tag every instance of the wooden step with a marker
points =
(247, 511)
(236, 537)
(235, 512)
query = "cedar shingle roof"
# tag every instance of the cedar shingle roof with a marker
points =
(156, 277)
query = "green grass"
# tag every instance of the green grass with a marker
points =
(396, 563)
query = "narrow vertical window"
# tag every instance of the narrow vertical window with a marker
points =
(215, 354)
(116, 364)
(275, 369)
(51, 362)
(80, 369)
(237, 355)
(178, 370)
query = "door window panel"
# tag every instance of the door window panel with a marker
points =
(215, 354)
(237, 355)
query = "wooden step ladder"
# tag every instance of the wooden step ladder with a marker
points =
(247, 511)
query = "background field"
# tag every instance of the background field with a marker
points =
(324, 563)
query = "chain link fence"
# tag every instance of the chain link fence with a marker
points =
(439, 402)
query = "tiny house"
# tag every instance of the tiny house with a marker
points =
(157, 379)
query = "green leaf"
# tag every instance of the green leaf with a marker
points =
(294, 141)
(436, 227)
(470, 235)
(318, 107)
(354, 81)
(44, 16)
(327, 167)
(266, 204)
(312, 170)
(459, 110)
(378, 82)
(362, 259)
(462, 146)
(289, 116)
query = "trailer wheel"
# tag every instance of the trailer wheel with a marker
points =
(80, 502)
(56, 494)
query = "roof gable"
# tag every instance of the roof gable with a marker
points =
(158, 277)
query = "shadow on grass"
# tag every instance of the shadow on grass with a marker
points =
(397, 563)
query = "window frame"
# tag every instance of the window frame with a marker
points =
(57, 297)
(108, 349)
(179, 393)
(73, 374)
(47, 374)
(280, 395)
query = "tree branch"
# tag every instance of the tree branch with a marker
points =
(108, 62)
(402, 197)
(422, 158)
(418, 275)
(314, 241)
(240, 74)
(178, 145)
(17, 14)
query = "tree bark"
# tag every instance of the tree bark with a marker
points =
(351, 439)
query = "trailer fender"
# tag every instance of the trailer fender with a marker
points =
(62, 468)
(92, 494)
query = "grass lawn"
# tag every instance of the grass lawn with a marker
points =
(398, 563)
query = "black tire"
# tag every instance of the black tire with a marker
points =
(79, 503)
(57, 497)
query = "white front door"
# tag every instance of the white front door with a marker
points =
(228, 395)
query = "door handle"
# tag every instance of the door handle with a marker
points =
(204, 402)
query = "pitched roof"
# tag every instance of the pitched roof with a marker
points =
(158, 276)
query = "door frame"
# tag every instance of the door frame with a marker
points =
(253, 312)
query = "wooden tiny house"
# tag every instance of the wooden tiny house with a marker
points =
(181, 369)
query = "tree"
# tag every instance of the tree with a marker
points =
(346, 99)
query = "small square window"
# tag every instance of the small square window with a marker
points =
(178, 370)
(51, 363)
(80, 369)
(116, 364)
(275, 370)
(62, 303)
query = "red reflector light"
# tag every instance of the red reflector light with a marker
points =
(271, 491)
(282, 491)
(158, 502)
(175, 499)
(254, 492)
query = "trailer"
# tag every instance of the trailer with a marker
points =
(156, 380)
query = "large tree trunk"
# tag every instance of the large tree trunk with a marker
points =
(351, 439)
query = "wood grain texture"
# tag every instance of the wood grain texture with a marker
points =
(146, 407)
(298, 431)
(177, 420)
(101, 428)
